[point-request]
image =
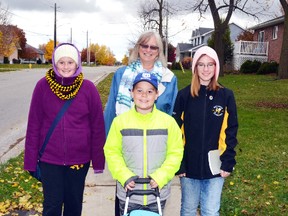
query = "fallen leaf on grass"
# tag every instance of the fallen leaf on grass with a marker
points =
(4, 206)
(25, 203)
(244, 211)
(17, 194)
(15, 184)
(276, 182)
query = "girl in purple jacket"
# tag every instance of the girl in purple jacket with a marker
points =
(77, 139)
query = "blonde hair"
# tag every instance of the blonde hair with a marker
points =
(144, 38)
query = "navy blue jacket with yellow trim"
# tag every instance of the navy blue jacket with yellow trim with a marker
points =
(209, 122)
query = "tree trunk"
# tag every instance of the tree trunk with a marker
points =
(283, 64)
(220, 28)
(219, 45)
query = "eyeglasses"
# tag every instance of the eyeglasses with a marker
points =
(145, 46)
(208, 65)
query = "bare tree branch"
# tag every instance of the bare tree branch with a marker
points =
(4, 15)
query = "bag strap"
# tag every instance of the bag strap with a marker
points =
(55, 122)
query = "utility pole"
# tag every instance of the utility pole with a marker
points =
(71, 35)
(88, 53)
(55, 39)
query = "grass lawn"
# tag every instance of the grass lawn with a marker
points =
(258, 186)
(13, 67)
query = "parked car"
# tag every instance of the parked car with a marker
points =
(23, 61)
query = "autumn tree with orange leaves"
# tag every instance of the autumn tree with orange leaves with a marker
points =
(49, 50)
(101, 54)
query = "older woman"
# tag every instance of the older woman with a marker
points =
(146, 56)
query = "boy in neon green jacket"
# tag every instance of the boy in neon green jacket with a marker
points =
(143, 142)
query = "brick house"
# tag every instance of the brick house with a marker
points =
(272, 32)
(266, 46)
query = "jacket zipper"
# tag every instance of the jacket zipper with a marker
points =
(64, 140)
(145, 198)
(203, 134)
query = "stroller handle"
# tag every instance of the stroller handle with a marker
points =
(142, 180)
(152, 191)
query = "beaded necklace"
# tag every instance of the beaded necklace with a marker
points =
(64, 92)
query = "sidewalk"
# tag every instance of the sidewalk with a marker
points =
(99, 195)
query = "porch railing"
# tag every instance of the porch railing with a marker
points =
(251, 48)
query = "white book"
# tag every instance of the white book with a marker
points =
(214, 161)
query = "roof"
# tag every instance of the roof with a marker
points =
(232, 23)
(184, 46)
(38, 51)
(268, 23)
(201, 31)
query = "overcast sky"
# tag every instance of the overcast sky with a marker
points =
(113, 23)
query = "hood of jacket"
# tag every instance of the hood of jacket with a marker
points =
(206, 50)
(79, 65)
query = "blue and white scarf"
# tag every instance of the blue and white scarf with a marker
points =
(123, 99)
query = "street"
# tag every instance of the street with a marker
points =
(16, 90)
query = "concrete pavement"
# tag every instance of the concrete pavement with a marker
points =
(99, 195)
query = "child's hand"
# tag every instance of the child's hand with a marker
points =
(224, 174)
(153, 184)
(130, 186)
(182, 175)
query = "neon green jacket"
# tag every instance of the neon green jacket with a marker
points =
(144, 145)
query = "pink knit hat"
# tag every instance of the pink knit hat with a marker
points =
(205, 50)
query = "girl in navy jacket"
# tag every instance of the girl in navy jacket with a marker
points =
(206, 112)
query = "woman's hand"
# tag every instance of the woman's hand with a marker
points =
(224, 174)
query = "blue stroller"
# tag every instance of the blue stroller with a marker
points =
(154, 192)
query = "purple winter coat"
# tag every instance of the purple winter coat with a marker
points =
(79, 136)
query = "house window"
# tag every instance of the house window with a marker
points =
(261, 36)
(275, 32)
